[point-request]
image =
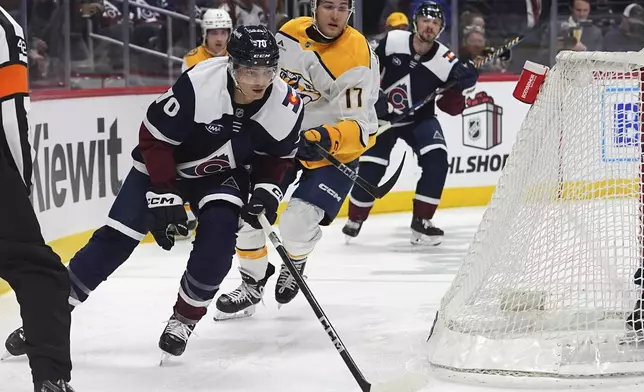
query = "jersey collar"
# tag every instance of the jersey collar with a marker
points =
(427, 56)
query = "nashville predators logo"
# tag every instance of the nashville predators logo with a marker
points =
(307, 91)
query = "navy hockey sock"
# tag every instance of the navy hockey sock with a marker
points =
(209, 262)
(96, 261)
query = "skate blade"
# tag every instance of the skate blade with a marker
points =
(221, 316)
(164, 358)
(6, 355)
(425, 240)
(410, 382)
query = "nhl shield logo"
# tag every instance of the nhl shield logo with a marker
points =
(239, 113)
(474, 128)
(482, 122)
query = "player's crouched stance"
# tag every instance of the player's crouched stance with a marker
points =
(197, 143)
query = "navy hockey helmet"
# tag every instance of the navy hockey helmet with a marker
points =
(253, 46)
(432, 10)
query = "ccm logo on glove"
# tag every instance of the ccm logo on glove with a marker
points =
(168, 199)
(166, 217)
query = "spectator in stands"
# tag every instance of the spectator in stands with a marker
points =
(578, 32)
(245, 12)
(395, 21)
(473, 47)
(471, 18)
(605, 17)
(629, 36)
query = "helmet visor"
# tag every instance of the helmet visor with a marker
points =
(254, 74)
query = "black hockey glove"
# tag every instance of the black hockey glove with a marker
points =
(266, 197)
(383, 107)
(306, 150)
(166, 216)
(465, 74)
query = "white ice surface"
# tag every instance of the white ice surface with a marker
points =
(379, 292)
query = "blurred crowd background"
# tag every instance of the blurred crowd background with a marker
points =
(77, 44)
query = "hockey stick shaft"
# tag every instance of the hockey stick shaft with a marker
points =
(317, 309)
(544, 19)
(376, 191)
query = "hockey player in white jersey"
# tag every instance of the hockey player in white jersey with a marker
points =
(197, 143)
(413, 65)
(337, 75)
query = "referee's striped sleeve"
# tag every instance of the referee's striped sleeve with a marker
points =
(15, 150)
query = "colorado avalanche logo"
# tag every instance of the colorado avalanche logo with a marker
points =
(398, 98)
(219, 161)
(399, 94)
(307, 91)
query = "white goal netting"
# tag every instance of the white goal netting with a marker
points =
(548, 280)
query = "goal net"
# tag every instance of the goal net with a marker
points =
(548, 281)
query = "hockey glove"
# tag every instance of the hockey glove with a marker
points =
(265, 198)
(452, 102)
(166, 216)
(465, 74)
(383, 107)
(307, 150)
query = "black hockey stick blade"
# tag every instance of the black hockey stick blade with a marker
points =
(543, 21)
(410, 382)
(376, 191)
(383, 189)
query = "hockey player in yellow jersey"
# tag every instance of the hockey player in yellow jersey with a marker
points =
(338, 78)
(216, 26)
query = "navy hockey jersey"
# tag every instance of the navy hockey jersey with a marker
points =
(195, 129)
(408, 78)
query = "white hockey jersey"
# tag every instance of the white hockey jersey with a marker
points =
(196, 129)
(338, 81)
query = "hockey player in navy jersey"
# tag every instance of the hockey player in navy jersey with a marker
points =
(197, 143)
(412, 66)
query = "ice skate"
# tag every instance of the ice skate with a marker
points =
(241, 302)
(174, 338)
(423, 232)
(351, 229)
(286, 288)
(16, 344)
(52, 386)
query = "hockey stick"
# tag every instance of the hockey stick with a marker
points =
(544, 20)
(408, 383)
(376, 191)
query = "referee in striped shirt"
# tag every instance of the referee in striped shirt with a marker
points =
(33, 270)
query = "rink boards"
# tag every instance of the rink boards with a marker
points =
(83, 140)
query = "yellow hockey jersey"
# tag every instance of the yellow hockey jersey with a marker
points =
(197, 55)
(338, 82)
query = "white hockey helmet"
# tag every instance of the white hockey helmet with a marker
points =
(314, 7)
(215, 18)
